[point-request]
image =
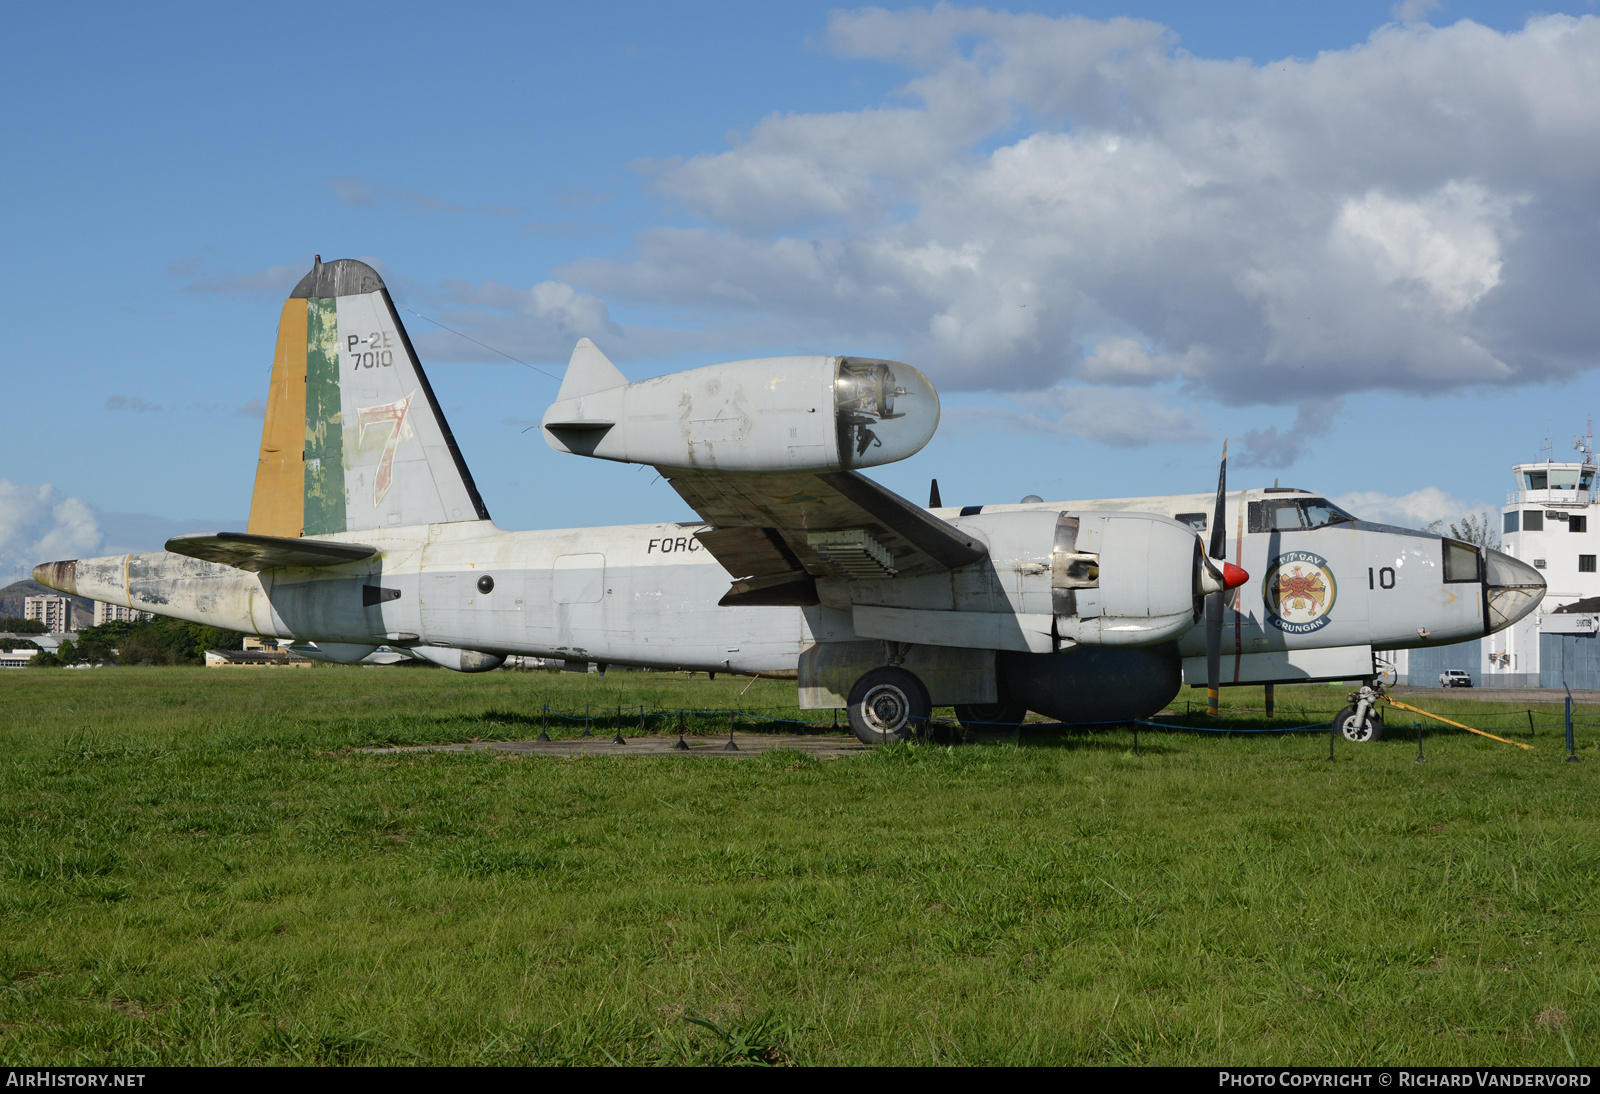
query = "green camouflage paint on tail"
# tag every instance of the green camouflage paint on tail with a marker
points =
(325, 492)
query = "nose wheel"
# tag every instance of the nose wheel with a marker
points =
(1357, 728)
(888, 705)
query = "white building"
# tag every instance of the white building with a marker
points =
(108, 613)
(1551, 522)
(55, 612)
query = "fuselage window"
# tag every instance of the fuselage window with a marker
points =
(1197, 521)
(1460, 561)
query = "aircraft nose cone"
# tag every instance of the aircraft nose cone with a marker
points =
(1515, 589)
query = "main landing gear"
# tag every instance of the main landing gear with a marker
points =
(889, 704)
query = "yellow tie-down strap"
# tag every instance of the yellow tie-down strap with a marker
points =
(1458, 725)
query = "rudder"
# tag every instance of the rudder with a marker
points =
(353, 438)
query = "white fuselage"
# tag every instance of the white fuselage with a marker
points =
(648, 594)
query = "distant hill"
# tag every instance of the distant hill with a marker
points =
(11, 602)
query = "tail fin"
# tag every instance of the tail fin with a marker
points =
(354, 438)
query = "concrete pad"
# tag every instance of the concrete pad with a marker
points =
(750, 744)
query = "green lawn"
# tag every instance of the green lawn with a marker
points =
(197, 867)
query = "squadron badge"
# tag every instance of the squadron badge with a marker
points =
(1299, 590)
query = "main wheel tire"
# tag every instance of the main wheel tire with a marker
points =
(888, 705)
(1345, 723)
(991, 717)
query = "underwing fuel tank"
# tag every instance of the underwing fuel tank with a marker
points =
(771, 414)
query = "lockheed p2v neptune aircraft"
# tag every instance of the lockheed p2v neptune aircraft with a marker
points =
(366, 529)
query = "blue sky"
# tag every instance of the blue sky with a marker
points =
(1362, 228)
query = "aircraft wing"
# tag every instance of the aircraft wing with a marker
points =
(244, 551)
(776, 532)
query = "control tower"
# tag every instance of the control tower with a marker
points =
(1549, 521)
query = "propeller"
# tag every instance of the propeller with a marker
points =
(1216, 583)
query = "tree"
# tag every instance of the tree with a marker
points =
(1474, 528)
(10, 624)
(158, 641)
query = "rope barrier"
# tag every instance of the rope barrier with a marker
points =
(1533, 719)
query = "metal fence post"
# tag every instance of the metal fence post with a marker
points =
(1572, 752)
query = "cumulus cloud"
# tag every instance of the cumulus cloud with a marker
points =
(134, 403)
(1057, 198)
(1417, 509)
(273, 280)
(1120, 418)
(541, 324)
(40, 524)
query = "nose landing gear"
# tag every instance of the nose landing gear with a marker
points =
(1361, 721)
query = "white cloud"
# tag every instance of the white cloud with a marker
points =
(1414, 213)
(1120, 418)
(1414, 510)
(40, 524)
(1414, 11)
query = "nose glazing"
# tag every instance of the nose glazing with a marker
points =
(1515, 588)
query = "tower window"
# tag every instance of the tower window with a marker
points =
(1533, 520)
(1577, 524)
(1511, 521)
(1586, 564)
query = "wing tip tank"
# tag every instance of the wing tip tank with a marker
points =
(341, 277)
(61, 576)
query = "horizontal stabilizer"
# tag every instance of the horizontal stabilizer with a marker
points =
(244, 551)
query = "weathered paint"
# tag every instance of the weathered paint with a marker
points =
(277, 507)
(324, 480)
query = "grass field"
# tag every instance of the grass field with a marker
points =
(197, 867)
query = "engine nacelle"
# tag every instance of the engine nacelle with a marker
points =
(770, 414)
(1050, 581)
(1124, 579)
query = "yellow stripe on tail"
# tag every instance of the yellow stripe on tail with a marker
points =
(277, 508)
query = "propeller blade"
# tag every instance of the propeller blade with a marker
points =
(1230, 577)
(1213, 650)
(933, 496)
(1218, 547)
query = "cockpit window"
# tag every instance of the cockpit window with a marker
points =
(1460, 561)
(1321, 511)
(1295, 514)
